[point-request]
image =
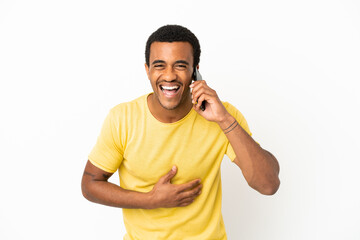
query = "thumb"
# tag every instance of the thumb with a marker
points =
(170, 174)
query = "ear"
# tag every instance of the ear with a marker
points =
(147, 71)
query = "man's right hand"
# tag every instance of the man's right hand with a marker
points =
(167, 195)
(96, 188)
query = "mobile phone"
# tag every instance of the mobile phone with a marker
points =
(197, 76)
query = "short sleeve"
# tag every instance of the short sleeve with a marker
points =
(107, 153)
(242, 121)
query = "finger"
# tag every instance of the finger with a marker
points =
(203, 99)
(202, 89)
(197, 83)
(186, 203)
(200, 100)
(190, 199)
(192, 194)
(188, 186)
(199, 92)
(166, 178)
(198, 86)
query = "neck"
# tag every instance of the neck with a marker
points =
(168, 116)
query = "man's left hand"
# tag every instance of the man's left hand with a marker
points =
(214, 109)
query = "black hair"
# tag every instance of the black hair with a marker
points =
(174, 33)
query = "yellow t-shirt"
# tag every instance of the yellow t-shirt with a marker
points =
(143, 149)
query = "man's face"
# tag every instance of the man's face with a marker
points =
(170, 72)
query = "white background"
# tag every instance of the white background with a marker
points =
(291, 67)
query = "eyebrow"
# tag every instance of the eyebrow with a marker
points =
(158, 61)
(182, 61)
(178, 61)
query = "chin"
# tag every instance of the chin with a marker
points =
(169, 106)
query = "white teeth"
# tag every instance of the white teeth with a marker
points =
(170, 88)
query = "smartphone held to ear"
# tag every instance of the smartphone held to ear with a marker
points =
(197, 76)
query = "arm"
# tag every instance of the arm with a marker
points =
(259, 167)
(96, 188)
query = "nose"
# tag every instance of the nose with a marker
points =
(169, 74)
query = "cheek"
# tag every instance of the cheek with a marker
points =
(153, 76)
(186, 77)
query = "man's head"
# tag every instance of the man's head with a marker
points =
(172, 53)
(174, 33)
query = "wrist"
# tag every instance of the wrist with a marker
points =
(227, 121)
(150, 201)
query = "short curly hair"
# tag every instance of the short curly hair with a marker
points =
(174, 33)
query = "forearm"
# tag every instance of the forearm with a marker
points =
(109, 194)
(96, 188)
(259, 167)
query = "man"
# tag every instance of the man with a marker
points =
(168, 150)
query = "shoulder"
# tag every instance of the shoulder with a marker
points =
(233, 110)
(238, 116)
(228, 106)
(132, 107)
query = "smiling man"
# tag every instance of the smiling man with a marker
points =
(172, 96)
(168, 151)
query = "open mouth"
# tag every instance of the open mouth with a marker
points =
(169, 91)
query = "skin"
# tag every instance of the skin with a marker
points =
(96, 188)
(171, 64)
(259, 167)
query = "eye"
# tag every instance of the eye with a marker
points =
(181, 66)
(158, 66)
